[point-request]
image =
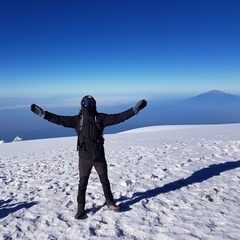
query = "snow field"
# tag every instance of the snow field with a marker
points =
(172, 183)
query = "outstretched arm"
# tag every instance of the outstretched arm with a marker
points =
(112, 119)
(65, 121)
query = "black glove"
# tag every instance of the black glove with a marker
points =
(140, 105)
(37, 110)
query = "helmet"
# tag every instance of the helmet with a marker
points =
(88, 102)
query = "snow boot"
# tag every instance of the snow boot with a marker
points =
(113, 206)
(80, 211)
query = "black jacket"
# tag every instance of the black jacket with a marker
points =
(90, 140)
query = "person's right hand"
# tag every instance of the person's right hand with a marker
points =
(37, 110)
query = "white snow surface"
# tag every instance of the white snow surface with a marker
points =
(172, 182)
(17, 139)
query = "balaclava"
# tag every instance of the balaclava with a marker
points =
(88, 105)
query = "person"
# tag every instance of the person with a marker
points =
(89, 125)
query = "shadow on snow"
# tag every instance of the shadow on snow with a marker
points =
(6, 208)
(197, 177)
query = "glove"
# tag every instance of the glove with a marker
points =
(139, 106)
(37, 110)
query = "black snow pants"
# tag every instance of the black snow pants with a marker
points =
(85, 167)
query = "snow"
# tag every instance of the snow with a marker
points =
(172, 182)
(17, 139)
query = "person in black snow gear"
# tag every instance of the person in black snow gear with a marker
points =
(89, 125)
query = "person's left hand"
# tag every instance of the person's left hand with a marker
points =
(139, 106)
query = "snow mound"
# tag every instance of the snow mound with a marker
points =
(17, 139)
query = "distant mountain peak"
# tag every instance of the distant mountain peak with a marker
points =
(215, 93)
(214, 96)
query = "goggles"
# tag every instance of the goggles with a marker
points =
(89, 103)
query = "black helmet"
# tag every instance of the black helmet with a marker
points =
(88, 102)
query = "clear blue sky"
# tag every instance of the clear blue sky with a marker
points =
(119, 48)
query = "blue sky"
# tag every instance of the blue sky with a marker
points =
(119, 49)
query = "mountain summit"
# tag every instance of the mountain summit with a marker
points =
(213, 107)
(215, 97)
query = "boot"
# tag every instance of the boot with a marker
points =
(113, 206)
(80, 211)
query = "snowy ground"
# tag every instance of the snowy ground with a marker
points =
(172, 182)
